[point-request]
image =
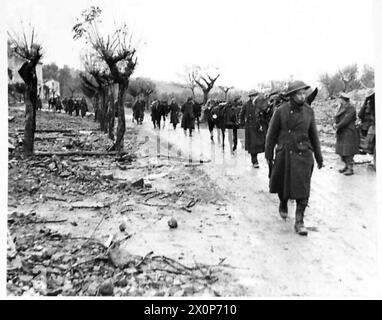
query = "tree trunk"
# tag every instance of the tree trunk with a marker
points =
(96, 107)
(205, 96)
(102, 113)
(147, 101)
(111, 114)
(106, 112)
(118, 145)
(346, 83)
(30, 122)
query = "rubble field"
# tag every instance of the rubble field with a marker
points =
(80, 221)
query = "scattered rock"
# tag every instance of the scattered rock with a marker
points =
(47, 253)
(107, 176)
(122, 283)
(122, 185)
(121, 258)
(122, 227)
(40, 286)
(106, 288)
(138, 184)
(188, 290)
(68, 143)
(172, 223)
(92, 289)
(54, 292)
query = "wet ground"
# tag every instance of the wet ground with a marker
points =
(339, 256)
(232, 223)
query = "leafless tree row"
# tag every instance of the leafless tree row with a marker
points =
(110, 63)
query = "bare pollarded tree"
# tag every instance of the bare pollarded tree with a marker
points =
(142, 87)
(191, 73)
(349, 77)
(225, 91)
(98, 76)
(117, 52)
(206, 79)
(27, 47)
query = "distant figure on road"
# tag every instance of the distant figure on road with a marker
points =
(255, 132)
(65, 104)
(347, 143)
(155, 115)
(197, 112)
(84, 107)
(163, 110)
(188, 118)
(294, 133)
(70, 106)
(77, 106)
(39, 103)
(174, 113)
(50, 103)
(58, 104)
(139, 110)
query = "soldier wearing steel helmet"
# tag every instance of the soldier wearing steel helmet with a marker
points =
(250, 118)
(347, 140)
(293, 132)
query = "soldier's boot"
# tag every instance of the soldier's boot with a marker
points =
(255, 162)
(343, 169)
(349, 171)
(299, 226)
(283, 209)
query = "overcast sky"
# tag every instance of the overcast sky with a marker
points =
(249, 41)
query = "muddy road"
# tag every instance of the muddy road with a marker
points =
(230, 240)
(339, 256)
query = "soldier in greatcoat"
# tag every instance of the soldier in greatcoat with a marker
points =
(155, 115)
(347, 143)
(70, 106)
(83, 107)
(293, 132)
(76, 106)
(250, 117)
(188, 118)
(139, 110)
(174, 113)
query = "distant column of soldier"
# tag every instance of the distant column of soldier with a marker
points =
(70, 105)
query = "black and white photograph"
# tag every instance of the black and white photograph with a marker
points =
(191, 149)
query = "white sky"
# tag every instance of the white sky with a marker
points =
(250, 41)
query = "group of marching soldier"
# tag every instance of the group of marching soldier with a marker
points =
(283, 127)
(70, 105)
(160, 109)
